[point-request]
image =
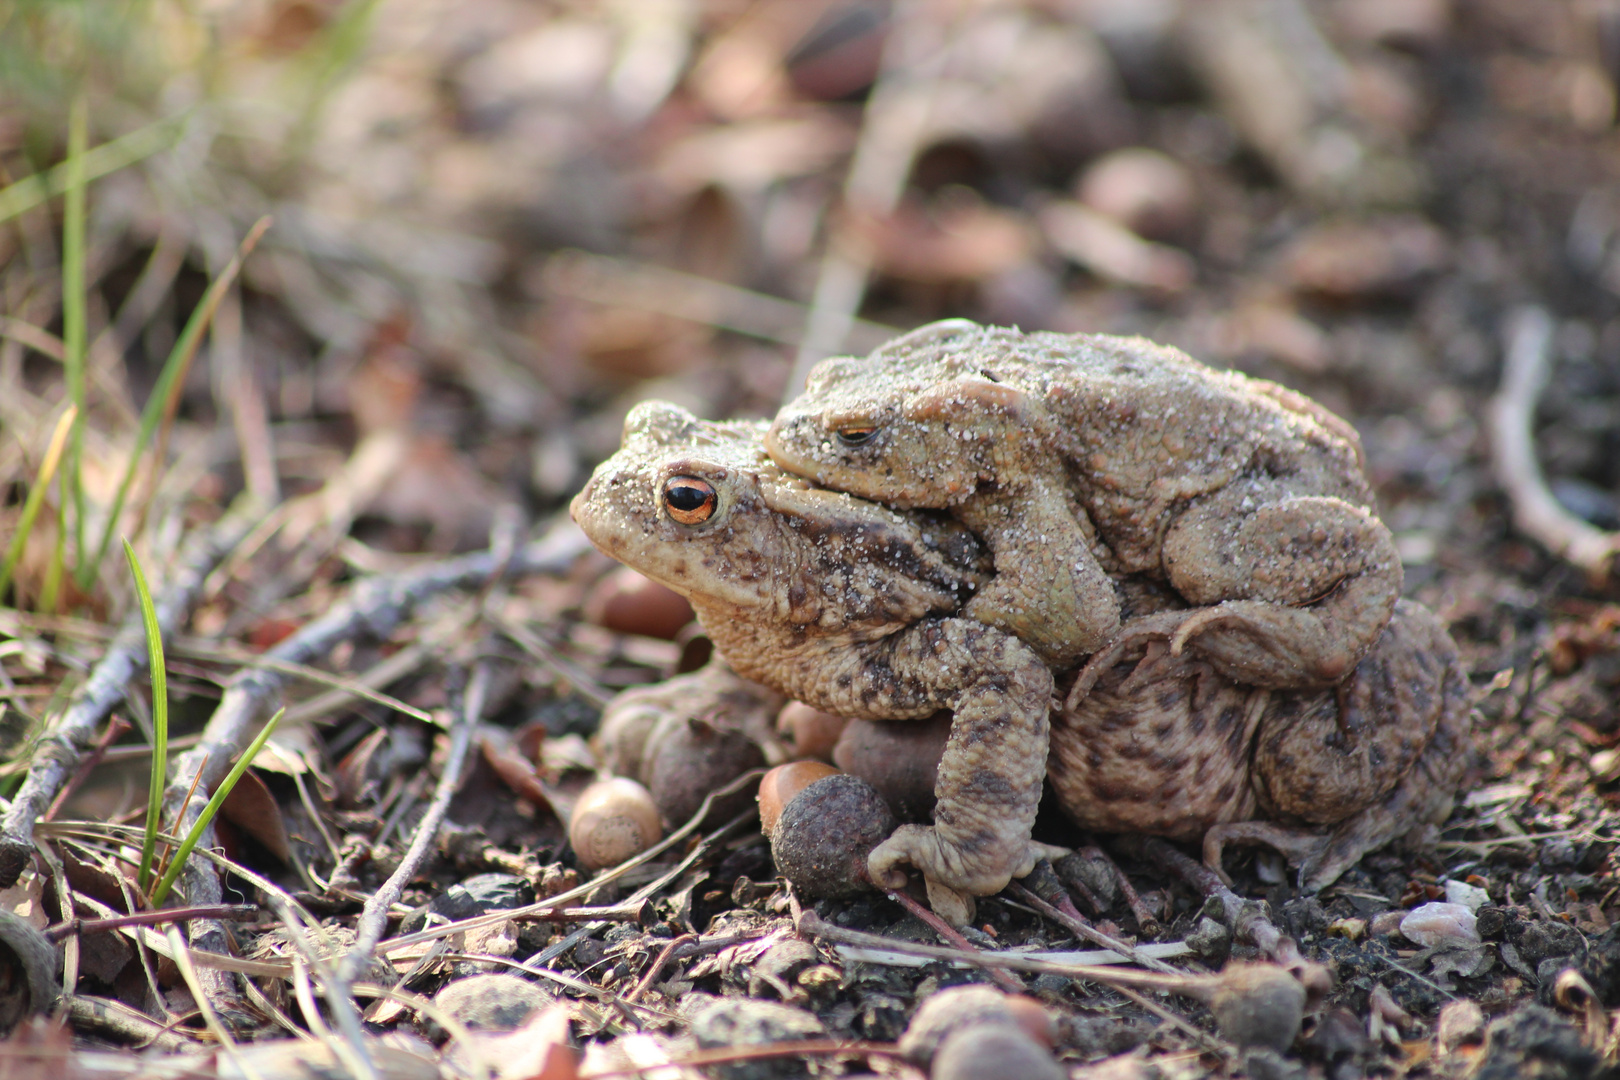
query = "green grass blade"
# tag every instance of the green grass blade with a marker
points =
(36, 495)
(73, 319)
(160, 715)
(121, 153)
(221, 793)
(51, 590)
(168, 384)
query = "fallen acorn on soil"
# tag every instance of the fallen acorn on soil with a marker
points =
(825, 833)
(978, 1031)
(613, 820)
(778, 787)
(631, 603)
(811, 732)
(900, 758)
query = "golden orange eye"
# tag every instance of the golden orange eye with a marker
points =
(855, 436)
(689, 500)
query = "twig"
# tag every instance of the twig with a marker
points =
(1536, 513)
(59, 749)
(232, 912)
(954, 936)
(375, 606)
(1146, 921)
(656, 968)
(1070, 921)
(374, 917)
(115, 1020)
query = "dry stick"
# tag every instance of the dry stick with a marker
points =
(1009, 983)
(1125, 982)
(1070, 921)
(374, 917)
(233, 912)
(115, 1020)
(1146, 921)
(892, 130)
(60, 748)
(1536, 512)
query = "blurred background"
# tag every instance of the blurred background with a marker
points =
(497, 224)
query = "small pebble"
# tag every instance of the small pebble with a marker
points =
(1469, 896)
(1434, 923)
(1461, 1023)
(689, 759)
(492, 1002)
(614, 819)
(1385, 923)
(900, 758)
(959, 1007)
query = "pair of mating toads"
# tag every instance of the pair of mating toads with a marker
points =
(1188, 556)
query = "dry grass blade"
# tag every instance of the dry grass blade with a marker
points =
(36, 495)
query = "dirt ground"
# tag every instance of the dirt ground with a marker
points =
(495, 227)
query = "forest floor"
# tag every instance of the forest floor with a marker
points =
(495, 227)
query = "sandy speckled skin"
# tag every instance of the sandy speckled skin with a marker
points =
(849, 607)
(1248, 499)
(1163, 744)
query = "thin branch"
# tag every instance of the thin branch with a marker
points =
(374, 917)
(1536, 512)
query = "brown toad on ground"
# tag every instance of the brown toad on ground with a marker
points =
(850, 606)
(1246, 497)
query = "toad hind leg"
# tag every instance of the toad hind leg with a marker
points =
(990, 776)
(1423, 798)
(1297, 589)
(1049, 590)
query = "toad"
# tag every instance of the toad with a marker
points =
(1081, 456)
(1156, 743)
(850, 607)
(854, 608)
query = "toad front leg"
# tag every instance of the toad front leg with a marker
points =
(995, 761)
(1049, 590)
(1297, 589)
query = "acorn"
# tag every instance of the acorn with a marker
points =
(900, 758)
(1257, 1005)
(613, 820)
(960, 1007)
(811, 732)
(777, 788)
(825, 833)
(631, 603)
(687, 758)
(995, 1051)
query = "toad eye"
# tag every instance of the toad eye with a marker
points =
(689, 500)
(855, 436)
